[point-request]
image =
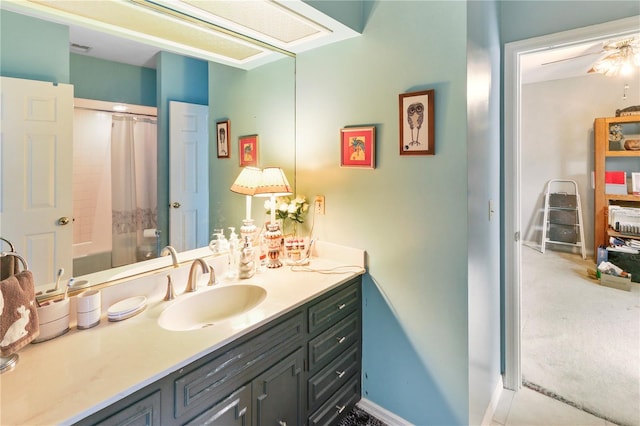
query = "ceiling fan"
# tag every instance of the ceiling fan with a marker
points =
(620, 58)
(616, 57)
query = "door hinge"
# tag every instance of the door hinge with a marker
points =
(516, 236)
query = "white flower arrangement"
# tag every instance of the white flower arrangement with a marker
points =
(289, 209)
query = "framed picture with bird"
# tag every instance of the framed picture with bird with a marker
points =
(358, 147)
(417, 123)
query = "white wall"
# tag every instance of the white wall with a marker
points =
(557, 139)
(91, 182)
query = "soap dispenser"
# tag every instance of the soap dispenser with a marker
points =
(247, 264)
(234, 253)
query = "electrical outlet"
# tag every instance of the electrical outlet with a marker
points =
(319, 205)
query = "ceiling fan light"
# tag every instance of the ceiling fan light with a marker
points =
(621, 62)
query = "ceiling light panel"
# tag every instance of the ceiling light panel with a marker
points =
(136, 19)
(266, 19)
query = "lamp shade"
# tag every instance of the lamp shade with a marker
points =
(273, 182)
(247, 181)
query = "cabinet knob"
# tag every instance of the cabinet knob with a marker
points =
(340, 374)
(282, 423)
(342, 306)
(340, 409)
(341, 339)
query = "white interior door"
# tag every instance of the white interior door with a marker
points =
(188, 176)
(36, 158)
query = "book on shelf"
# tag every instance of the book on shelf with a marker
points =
(616, 177)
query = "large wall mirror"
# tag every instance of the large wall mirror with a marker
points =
(256, 100)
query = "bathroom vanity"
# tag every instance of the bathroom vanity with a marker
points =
(293, 359)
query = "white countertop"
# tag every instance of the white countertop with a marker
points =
(63, 380)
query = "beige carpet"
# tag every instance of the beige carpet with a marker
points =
(580, 340)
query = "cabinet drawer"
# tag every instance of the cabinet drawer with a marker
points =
(207, 384)
(337, 406)
(326, 346)
(334, 307)
(333, 376)
(145, 412)
(233, 410)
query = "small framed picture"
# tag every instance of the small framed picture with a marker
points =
(223, 129)
(417, 123)
(248, 146)
(358, 147)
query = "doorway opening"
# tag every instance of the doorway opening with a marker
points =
(517, 230)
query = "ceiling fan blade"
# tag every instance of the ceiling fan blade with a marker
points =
(573, 57)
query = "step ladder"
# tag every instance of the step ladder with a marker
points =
(563, 215)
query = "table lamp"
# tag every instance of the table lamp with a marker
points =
(273, 183)
(246, 184)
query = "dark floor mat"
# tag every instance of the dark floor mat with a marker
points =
(359, 417)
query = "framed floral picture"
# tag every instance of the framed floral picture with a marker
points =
(248, 147)
(223, 134)
(357, 147)
(417, 123)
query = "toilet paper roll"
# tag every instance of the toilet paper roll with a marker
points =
(149, 233)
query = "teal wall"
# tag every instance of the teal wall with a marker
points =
(410, 212)
(33, 49)
(256, 102)
(178, 79)
(94, 78)
(483, 185)
(531, 18)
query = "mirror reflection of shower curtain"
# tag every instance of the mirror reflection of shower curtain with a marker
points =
(133, 185)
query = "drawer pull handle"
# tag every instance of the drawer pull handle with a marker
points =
(282, 423)
(341, 339)
(340, 409)
(342, 306)
(340, 374)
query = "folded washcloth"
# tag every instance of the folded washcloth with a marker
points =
(8, 266)
(18, 313)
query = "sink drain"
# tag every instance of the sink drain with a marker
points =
(207, 325)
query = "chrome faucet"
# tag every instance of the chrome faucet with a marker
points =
(192, 284)
(174, 256)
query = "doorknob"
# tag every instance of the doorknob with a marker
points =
(175, 205)
(63, 221)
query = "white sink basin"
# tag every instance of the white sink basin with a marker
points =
(204, 308)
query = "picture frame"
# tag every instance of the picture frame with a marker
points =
(248, 150)
(358, 147)
(223, 135)
(416, 123)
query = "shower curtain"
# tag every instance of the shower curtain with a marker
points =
(133, 184)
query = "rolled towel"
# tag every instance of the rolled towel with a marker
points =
(18, 313)
(8, 266)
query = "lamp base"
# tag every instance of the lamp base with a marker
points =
(274, 243)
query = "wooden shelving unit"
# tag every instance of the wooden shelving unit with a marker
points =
(602, 201)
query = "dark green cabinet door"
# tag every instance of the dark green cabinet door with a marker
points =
(279, 393)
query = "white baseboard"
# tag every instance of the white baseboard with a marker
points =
(382, 414)
(493, 404)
